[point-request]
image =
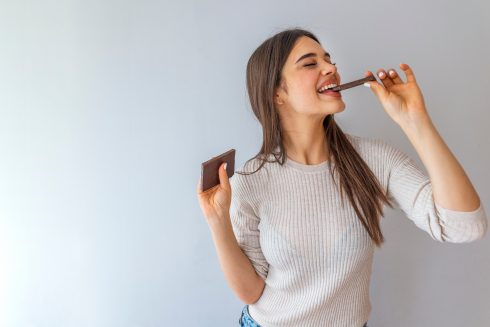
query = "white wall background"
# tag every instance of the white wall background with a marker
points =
(107, 109)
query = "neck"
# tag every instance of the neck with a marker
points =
(305, 141)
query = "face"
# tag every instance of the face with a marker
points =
(301, 80)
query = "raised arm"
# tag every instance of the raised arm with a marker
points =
(445, 204)
(404, 103)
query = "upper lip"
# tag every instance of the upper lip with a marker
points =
(328, 81)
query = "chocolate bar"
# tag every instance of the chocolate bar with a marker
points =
(354, 83)
(209, 169)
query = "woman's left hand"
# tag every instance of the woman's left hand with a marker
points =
(402, 101)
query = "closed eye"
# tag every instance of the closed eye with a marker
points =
(313, 64)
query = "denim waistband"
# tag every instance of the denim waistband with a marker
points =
(247, 321)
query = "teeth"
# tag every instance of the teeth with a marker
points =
(327, 87)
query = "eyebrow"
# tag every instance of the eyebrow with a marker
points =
(311, 54)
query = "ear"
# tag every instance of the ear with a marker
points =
(277, 99)
(278, 95)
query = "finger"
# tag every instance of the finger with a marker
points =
(394, 76)
(387, 82)
(378, 89)
(199, 186)
(223, 177)
(367, 73)
(408, 72)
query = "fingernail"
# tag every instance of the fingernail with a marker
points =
(367, 85)
(381, 74)
(392, 72)
(225, 165)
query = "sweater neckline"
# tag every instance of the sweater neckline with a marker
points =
(307, 168)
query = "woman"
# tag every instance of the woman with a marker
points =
(287, 247)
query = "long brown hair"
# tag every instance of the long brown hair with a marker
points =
(264, 70)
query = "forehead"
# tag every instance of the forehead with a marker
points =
(304, 45)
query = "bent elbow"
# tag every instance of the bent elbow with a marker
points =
(474, 234)
(460, 226)
(253, 296)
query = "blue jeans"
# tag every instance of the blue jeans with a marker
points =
(247, 321)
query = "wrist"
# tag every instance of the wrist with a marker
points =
(220, 224)
(415, 128)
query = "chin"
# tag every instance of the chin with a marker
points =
(337, 111)
(332, 108)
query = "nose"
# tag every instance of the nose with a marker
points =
(329, 69)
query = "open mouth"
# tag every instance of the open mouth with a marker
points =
(327, 89)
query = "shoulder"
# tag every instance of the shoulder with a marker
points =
(377, 151)
(367, 147)
(365, 143)
(249, 178)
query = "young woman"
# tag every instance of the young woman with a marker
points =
(289, 245)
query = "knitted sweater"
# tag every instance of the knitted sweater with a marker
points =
(315, 255)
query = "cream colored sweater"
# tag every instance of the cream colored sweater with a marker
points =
(315, 256)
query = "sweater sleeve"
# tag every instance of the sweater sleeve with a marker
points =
(245, 224)
(411, 190)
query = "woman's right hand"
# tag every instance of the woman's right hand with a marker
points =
(215, 203)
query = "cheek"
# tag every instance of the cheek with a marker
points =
(306, 86)
(303, 96)
(304, 92)
(304, 99)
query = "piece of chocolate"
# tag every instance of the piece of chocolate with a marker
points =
(354, 83)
